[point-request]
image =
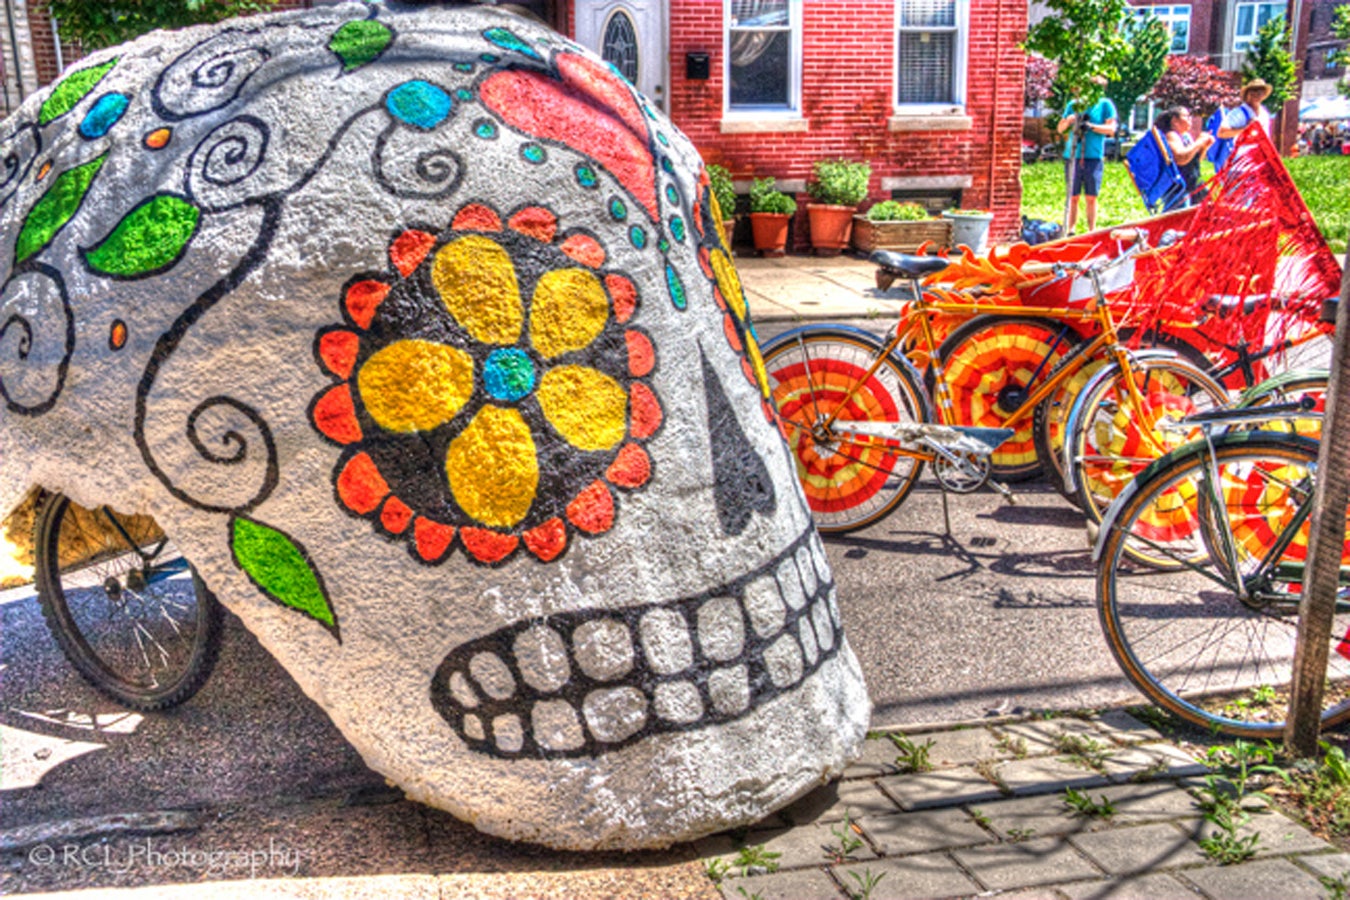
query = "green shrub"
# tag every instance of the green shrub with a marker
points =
(839, 182)
(764, 199)
(723, 190)
(895, 211)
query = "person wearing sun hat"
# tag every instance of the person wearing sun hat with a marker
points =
(1252, 107)
(1083, 171)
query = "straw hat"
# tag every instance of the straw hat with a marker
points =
(1256, 84)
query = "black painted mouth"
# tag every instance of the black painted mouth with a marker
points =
(587, 682)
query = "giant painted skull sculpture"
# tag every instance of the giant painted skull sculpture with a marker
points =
(416, 331)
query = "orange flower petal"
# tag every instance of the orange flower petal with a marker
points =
(593, 509)
(729, 329)
(705, 263)
(432, 539)
(337, 350)
(623, 294)
(646, 411)
(361, 487)
(641, 355)
(536, 222)
(395, 516)
(477, 217)
(631, 468)
(409, 249)
(547, 541)
(335, 415)
(488, 546)
(585, 250)
(363, 298)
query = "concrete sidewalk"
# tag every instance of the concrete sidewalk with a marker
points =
(802, 288)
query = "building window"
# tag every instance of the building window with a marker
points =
(930, 53)
(620, 45)
(763, 55)
(1333, 60)
(1250, 18)
(1176, 18)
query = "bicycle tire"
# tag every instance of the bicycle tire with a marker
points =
(849, 483)
(1289, 388)
(1180, 633)
(1109, 442)
(144, 632)
(1050, 418)
(988, 364)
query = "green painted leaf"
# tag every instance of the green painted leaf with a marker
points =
(357, 43)
(55, 208)
(71, 90)
(281, 568)
(149, 239)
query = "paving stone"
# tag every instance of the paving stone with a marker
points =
(1026, 863)
(1045, 893)
(831, 802)
(923, 830)
(911, 878)
(878, 758)
(1142, 848)
(944, 787)
(1151, 761)
(1046, 774)
(1041, 815)
(1149, 802)
(1279, 834)
(805, 845)
(804, 884)
(1124, 728)
(962, 747)
(1141, 887)
(1332, 865)
(1042, 735)
(1260, 880)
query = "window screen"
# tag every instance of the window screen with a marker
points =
(760, 55)
(927, 52)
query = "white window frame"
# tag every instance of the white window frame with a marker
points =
(961, 48)
(794, 108)
(1241, 43)
(1169, 15)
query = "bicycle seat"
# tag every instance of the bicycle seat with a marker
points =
(906, 265)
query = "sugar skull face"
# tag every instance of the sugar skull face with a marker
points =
(416, 330)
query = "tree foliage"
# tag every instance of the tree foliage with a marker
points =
(101, 23)
(1141, 67)
(1191, 81)
(1040, 76)
(1085, 38)
(1340, 27)
(1268, 57)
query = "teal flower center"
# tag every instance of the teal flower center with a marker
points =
(508, 375)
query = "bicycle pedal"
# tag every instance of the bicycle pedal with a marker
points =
(1005, 492)
(1093, 530)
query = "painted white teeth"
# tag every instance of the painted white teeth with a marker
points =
(808, 636)
(541, 658)
(473, 727)
(789, 583)
(603, 649)
(764, 606)
(492, 675)
(678, 701)
(556, 726)
(721, 633)
(807, 570)
(613, 714)
(666, 642)
(462, 691)
(729, 689)
(508, 733)
(824, 630)
(832, 598)
(783, 660)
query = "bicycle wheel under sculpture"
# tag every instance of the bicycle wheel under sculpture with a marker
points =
(991, 365)
(850, 482)
(1183, 633)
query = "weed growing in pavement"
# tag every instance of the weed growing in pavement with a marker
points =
(1015, 747)
(1261, 697)
(1020, 834)
(740, 889)
(1083, 750)
(1156, 768)
(988, 769)
(980, 817)
(1323, 795)
(1224, 846)
(1081, 803)
(1223, 799)
(756, 860)
(913, 757)
(716, 869)
(1155, 717)
(1240, 764)
(866, 882)
(1337, 888)
(849, 842)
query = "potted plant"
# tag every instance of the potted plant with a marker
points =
(837, 186)
(893, 225)
(770, 211)
(724, 198)
(970, 228)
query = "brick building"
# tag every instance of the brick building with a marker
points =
(927, 91)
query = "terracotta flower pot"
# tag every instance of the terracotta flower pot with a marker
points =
(770, 230)
(729, 231)
(831, 227)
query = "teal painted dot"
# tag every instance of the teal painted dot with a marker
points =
(509, 40)
(677, 227)
(485, 129)
(104, 115)
(508, 375)
(490, 58)
(463, 95)
(533, 153)
(419, 103)
(617, 209)
(648, 110)
(464, 67)
(671, 194)
(638, 237)
(586, 176)
(663, 245)
(667, 164)
(676, 288)
(665, 141)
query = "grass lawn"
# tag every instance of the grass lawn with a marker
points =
(1322, 180)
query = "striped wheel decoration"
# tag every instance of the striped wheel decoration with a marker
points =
(1261, 501)
(835, 476)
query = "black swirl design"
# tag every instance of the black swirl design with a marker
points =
(202, 81)
(33, 377)
(434, 174)
(225, 160)
(17, 152)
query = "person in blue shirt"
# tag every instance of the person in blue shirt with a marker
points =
(1083, 173)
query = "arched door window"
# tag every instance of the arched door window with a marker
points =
(620, 45)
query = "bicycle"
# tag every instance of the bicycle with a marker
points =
(1200, 567)
(125, 607)
(822, 376)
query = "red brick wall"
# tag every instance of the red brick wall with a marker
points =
(1203, 40)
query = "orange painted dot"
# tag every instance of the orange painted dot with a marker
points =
(585, 250)
(631, 468)
(646, 416)
(43, 170)
(547, 541)
(432, 539)
(335, 415)
(729, 329)
(488, 546)
(624, 295)
(409, 249)
(395, 516)
(159, 138)
(476, 217)
(641, 355)
(363, 298)
(705, 263)
(338, 351)
(593, 509)
(536, 222)
(361, 486)
(117, 335)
